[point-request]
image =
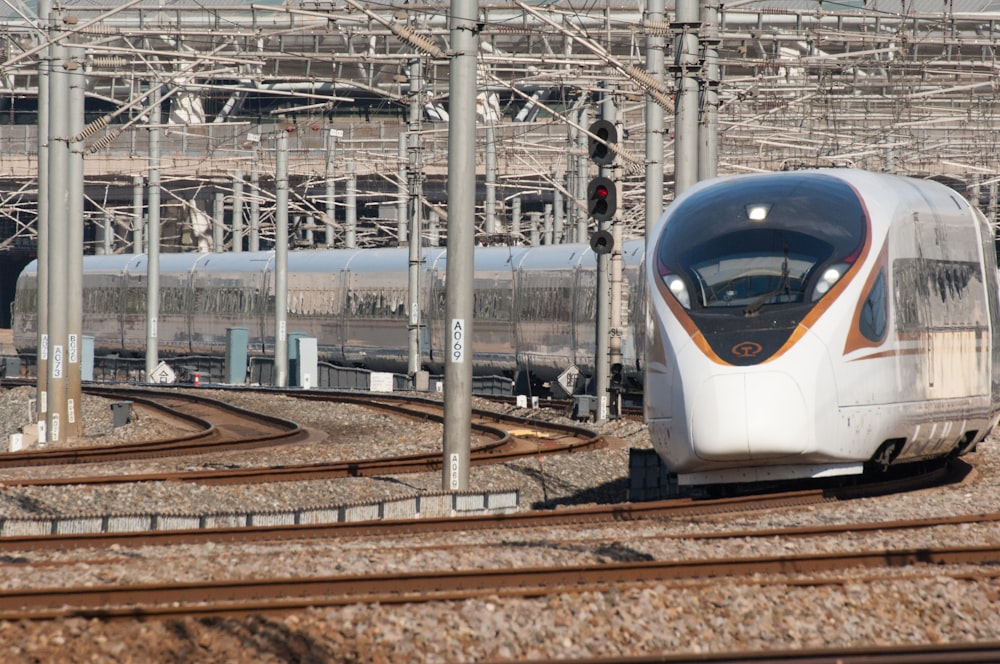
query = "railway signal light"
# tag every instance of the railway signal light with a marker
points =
(603, 134)
(602, 198)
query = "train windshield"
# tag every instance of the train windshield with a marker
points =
(766, 241)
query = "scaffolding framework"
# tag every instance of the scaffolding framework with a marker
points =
(909, 88)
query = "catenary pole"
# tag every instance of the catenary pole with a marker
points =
(153, 235)
(654, 115)
(42, 285)
(281, 256)
(74, 243)
(55, 420)
(464, 33)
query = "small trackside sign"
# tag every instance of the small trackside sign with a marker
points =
(458, 340)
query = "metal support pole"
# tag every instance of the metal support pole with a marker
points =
(583, 168)
(106, 235)
(515, 220)
(237, 244)
(491, 182)
(281, 256)
(254, 240)
(137, 215)
(464, 29)
(42, 286)
(402, 189)
(218, 221)
(708, 127)
(655, 47)
(351, 225)
(686, 71)
(329, 171)
(414, 188)
(58, 240)
(558, 210)
(153, 233)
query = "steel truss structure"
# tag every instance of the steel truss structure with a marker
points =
(361, 88)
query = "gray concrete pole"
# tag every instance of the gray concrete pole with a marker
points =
(281, 257)
(558, 210)
(106, 235)
(515, 220)
(351, 222)
(414, 189)
(535, 220)
(74, 245)
(254, 240)
(548, 228)
(573, 176)
(655, 46)
(464, 32)
(218, 221)
(491, 181)
(237, 246)
(137, 216)
(330, 171)
(42, 227)
(153, 235)
(434, 230)
(55, 425)
(583, 168)
(402, 189)
(708, 128)
(687, 70)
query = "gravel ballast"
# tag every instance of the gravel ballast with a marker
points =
(910, 606)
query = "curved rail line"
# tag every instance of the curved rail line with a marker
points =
(220, 427)
(226, 427)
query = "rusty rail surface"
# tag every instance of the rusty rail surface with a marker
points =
(244, 596)
(220, 427)
(501, 437)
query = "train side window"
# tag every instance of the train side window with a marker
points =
(872, 323)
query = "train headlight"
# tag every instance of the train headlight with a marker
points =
(831, 275)
(677, 287)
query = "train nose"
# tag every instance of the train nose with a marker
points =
(749, 415)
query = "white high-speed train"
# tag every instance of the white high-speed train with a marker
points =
(818, 323)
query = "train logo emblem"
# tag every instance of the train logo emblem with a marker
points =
(746, 349)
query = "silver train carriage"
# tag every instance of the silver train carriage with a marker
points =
(819, 323)
(534, 307)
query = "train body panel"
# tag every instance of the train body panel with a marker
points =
(806, 324)
(533, 306)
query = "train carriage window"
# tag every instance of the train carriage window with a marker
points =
(872, 323)
(775, 242)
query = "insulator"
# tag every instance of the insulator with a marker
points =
(653, 87)
(414, 39)
(103, 142)
(100, 29)
(110, 61)
(656, 28)
(92, 128)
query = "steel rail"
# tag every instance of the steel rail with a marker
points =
(242, 596)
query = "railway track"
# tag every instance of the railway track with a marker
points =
(126, 602)
(254, 596)
(222, 427)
